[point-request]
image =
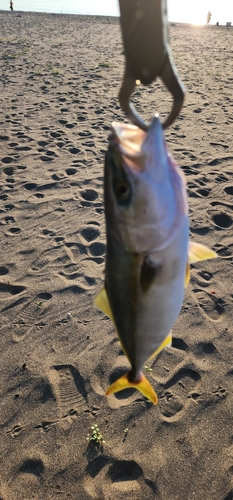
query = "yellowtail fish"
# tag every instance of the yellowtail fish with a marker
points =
(148, 250)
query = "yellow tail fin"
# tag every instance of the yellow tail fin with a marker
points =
(143, 385)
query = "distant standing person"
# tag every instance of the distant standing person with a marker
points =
(209, 15)
(11, 5)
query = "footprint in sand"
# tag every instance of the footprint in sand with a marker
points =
(4, 137)
(13, 231)
(15, 431)
(222, 220)
(9, 220)
(10, 181)
(210, 305)
(48, 232)
(74, 151)
(201, 231)
(83, 281)
(3, 270)
(68, 386)
(8, 159)
(56, 134)
(221, 177)
(90, 233)
(9, 206)
(225, 252)
(32, 466)
(30, 186)
(179, 344)
(7, 289)
(174, 398)
(125, 476)
(71, 171)
(229, 190)
(28, 478)
(30, 314)
(96, 249)
(121, 479)
(205, 348)
(205, 275)
(46, 158)
(22, 148)
(88, 195)
(204, 193)
(8, 171)
(3, 197)
(39, 195)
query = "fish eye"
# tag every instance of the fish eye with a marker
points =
(122, 191)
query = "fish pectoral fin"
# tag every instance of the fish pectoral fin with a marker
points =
(198, 252)
(102, 302)
(148, 274)
(166, 343)
(143, 385)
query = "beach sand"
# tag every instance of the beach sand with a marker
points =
(60, 77)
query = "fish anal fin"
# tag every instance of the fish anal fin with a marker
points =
(166, 343)
(187, 275)
(198, 252)
(143, 385)
(147, 276)
(102, 302)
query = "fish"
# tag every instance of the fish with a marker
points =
(148, 251)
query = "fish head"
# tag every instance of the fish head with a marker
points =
(145, 195)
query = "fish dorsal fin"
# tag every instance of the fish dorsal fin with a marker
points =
(147, 276)
(166, 343)
(102, 303)
(198, 252)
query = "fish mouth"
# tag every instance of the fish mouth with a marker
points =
(129, 139)
(140, 150)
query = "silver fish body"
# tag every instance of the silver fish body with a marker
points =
(147, 242)
(147, 246)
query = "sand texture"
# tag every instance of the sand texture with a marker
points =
(60, 76)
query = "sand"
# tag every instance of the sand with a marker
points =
(60, 76)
